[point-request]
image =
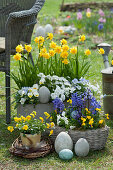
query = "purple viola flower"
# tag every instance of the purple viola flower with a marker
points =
(58, 105)
(100, 27)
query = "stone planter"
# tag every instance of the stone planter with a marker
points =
(29, 140)
(96, 138)
(39, 108)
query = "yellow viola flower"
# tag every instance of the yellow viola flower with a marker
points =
(83, 119)
(65, 47)
(88, 117)
(48, 125)
(17, 125)
(83, 124)
(10, 128)
(50, 36)
(55, 111)
(69, 101)
(51, 53)
(16, 119)
(87, 52)
(73, 50)
(63, 42)
(88, 14)
(47, 114)
(34, 112)
(28, 117)
(42, 120)
(17, 56)
(58, 49)
(32, 115)
(101, 121)
(19, 48)
(112, 62)
(51, 132)
(28, 48)
(52, 124)
(65, 61)
(64, 54)
(87, 111)
(51, 118)
(53, 45)
(101, 51)
(25, 127)
(91, 121)
(107, 116)
(82, 38)
(97, 109)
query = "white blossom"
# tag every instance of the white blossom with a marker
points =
(22, 101)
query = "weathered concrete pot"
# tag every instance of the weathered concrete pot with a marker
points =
(39, 108)
(107, 83)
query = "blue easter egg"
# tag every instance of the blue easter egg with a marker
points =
(66, 154)
(74, 114)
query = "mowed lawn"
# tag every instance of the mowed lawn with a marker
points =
(95, 160)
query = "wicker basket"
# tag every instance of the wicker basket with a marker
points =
(96, 138)
(19, 150)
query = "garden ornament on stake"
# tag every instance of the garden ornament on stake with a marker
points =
(107, 81)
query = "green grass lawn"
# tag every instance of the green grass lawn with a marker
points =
(95, 160)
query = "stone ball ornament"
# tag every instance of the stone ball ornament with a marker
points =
(44, 94)
(81, 147)
(63, 141)
(40, 31)
(48, 29)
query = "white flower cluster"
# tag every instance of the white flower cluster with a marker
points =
(61, 87)
(28, 92)
(62, 117)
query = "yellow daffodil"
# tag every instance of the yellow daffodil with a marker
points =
(50, 36)
(10, 128)
(17, 56)
(52, 124)
(28, 117)
(39, 40)
(65, 47)
(88, 117)
(32, 115)
(19, 48)
(46, 55)
(65, 61)
(64, 54)
(48, 125)
(25, 127)
(52, 45)
(51, 53)
(41, 118)
(47, 114)
(91, 121)
(107, 116)
(73, 50)
(101, 121)
(28, 48)
(88, 14)
(101, 51)
(51, 132)
(69, 101)
(82, 38)
(87, 52)
(63, 42)
(58, 49)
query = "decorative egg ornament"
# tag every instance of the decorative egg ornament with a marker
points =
(82, 147)
(40, 31)
(48, 29)
(44, 94)
(66, 154)
(74, 114)
(63, 141)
